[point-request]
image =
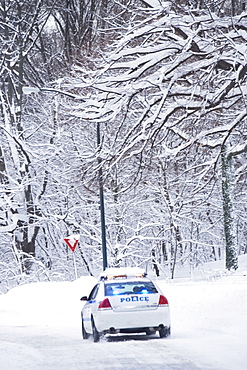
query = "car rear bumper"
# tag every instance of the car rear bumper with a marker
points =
(109, 321)
(148, 330)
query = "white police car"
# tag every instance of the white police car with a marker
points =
(125, 301)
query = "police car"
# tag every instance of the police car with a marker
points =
(125, 300)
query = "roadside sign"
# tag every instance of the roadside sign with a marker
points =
(72, 241)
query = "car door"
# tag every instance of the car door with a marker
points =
(89, 308)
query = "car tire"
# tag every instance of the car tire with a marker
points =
(85, 335)
(165, 332)
(96, 334)
(150, 332)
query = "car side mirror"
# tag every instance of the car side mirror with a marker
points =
(84, 298)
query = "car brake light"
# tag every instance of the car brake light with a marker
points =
(105, 305)
(163, 301)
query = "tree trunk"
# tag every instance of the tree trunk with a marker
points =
(154, 263)
(229, 224)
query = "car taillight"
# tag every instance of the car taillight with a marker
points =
(105, 305)
(163, 301)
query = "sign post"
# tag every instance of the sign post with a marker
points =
(72, 242)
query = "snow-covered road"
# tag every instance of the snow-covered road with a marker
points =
(34, 348)
(40, 328)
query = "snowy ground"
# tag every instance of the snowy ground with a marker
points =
(40, 328)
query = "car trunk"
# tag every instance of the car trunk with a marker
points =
(132, 295)
(134, 302)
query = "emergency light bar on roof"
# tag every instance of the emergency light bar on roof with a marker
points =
(122, 273)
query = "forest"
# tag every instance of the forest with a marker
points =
(123, 122)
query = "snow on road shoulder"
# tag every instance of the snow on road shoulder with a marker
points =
(45, 303)
(209, 320)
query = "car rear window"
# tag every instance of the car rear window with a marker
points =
(133, 287)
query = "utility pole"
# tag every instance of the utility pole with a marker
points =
(102, 203)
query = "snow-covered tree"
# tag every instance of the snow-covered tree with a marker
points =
(21, 23)
(170, 100)
(176, 82)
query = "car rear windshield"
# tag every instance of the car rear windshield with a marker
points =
(133, 287)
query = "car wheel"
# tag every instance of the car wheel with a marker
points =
(150, 332)
(96, 334)
(165, 332)
(85, 335)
